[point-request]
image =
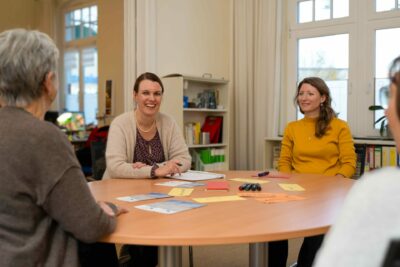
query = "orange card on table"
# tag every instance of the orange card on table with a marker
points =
(217, 185)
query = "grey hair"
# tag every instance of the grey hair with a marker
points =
(26, 57)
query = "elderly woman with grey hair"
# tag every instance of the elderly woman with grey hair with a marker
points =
(45, 204)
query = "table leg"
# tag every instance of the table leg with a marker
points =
(169, 256)
(258, 254)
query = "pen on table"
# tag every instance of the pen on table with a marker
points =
(261, 174)
(180, 165)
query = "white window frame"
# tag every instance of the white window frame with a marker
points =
(77, 45)
(360, 25)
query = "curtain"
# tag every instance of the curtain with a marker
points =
(255, 90)
(139, 43)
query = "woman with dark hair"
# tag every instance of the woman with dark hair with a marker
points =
(319, 143)
(370, 218)
(145, 143)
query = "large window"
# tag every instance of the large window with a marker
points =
(326, 57)
(386, 5)
(386, 49)
(349, 44)
(316, 10)
(81, 23)
(80, 62)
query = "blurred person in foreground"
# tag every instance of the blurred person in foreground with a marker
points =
(46, 208)
(370, 217)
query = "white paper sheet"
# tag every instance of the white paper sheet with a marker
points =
(197, 176)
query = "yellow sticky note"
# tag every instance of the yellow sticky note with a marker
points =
(218, 199)
(249, 180)
(291, 187)
(180, 192)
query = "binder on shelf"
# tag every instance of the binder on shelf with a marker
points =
(371, 157)
(189, 133)
(192, 133)
(378, 157)
(276, 153)
(213, 125)
(385, 156)
(209, 159)
(361, 155)
(392, 156)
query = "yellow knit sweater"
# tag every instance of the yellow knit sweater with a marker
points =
(331, 154)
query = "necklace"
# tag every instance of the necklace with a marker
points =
(147, 130)
(140, 128)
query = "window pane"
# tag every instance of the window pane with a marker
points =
(384, 5)
(387, 48)
(327, 57)
(89, 64)
(68, 34)
(86, 30)
(68, 19)
(305, 13)
(340, 8)
(93, 29)
(85, 15)
(77, 32)
(93, 14)
(83, 21)
(77, 16)
(322, 9)
(71, 84)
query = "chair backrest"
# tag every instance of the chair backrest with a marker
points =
(98, 151)
(97, 134)
(392, 258)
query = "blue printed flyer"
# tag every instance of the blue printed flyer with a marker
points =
(148, 196)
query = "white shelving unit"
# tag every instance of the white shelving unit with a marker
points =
(178, 86)
(270, 142)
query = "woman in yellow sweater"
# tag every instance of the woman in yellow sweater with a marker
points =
(319, 143)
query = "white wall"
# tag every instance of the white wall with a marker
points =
(194, 37)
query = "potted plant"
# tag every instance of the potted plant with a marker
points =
(383, 129)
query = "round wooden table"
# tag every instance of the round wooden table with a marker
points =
(248, 221)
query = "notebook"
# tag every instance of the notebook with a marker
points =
(217, 185)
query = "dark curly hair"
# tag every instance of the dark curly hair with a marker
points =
(326, 113)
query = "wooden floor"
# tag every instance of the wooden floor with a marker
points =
(229, 255)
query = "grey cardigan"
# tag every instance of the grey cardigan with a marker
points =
(45, 203)
(122, 141)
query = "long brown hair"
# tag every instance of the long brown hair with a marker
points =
(326, 113)
(394, 76)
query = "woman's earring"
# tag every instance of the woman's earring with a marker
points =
(322, 104)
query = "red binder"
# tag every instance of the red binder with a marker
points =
(213, 125)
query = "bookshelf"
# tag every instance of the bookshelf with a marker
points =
(378, 153)
(190, 100)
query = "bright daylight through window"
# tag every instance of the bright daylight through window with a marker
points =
(81, 63)
(349, 44)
